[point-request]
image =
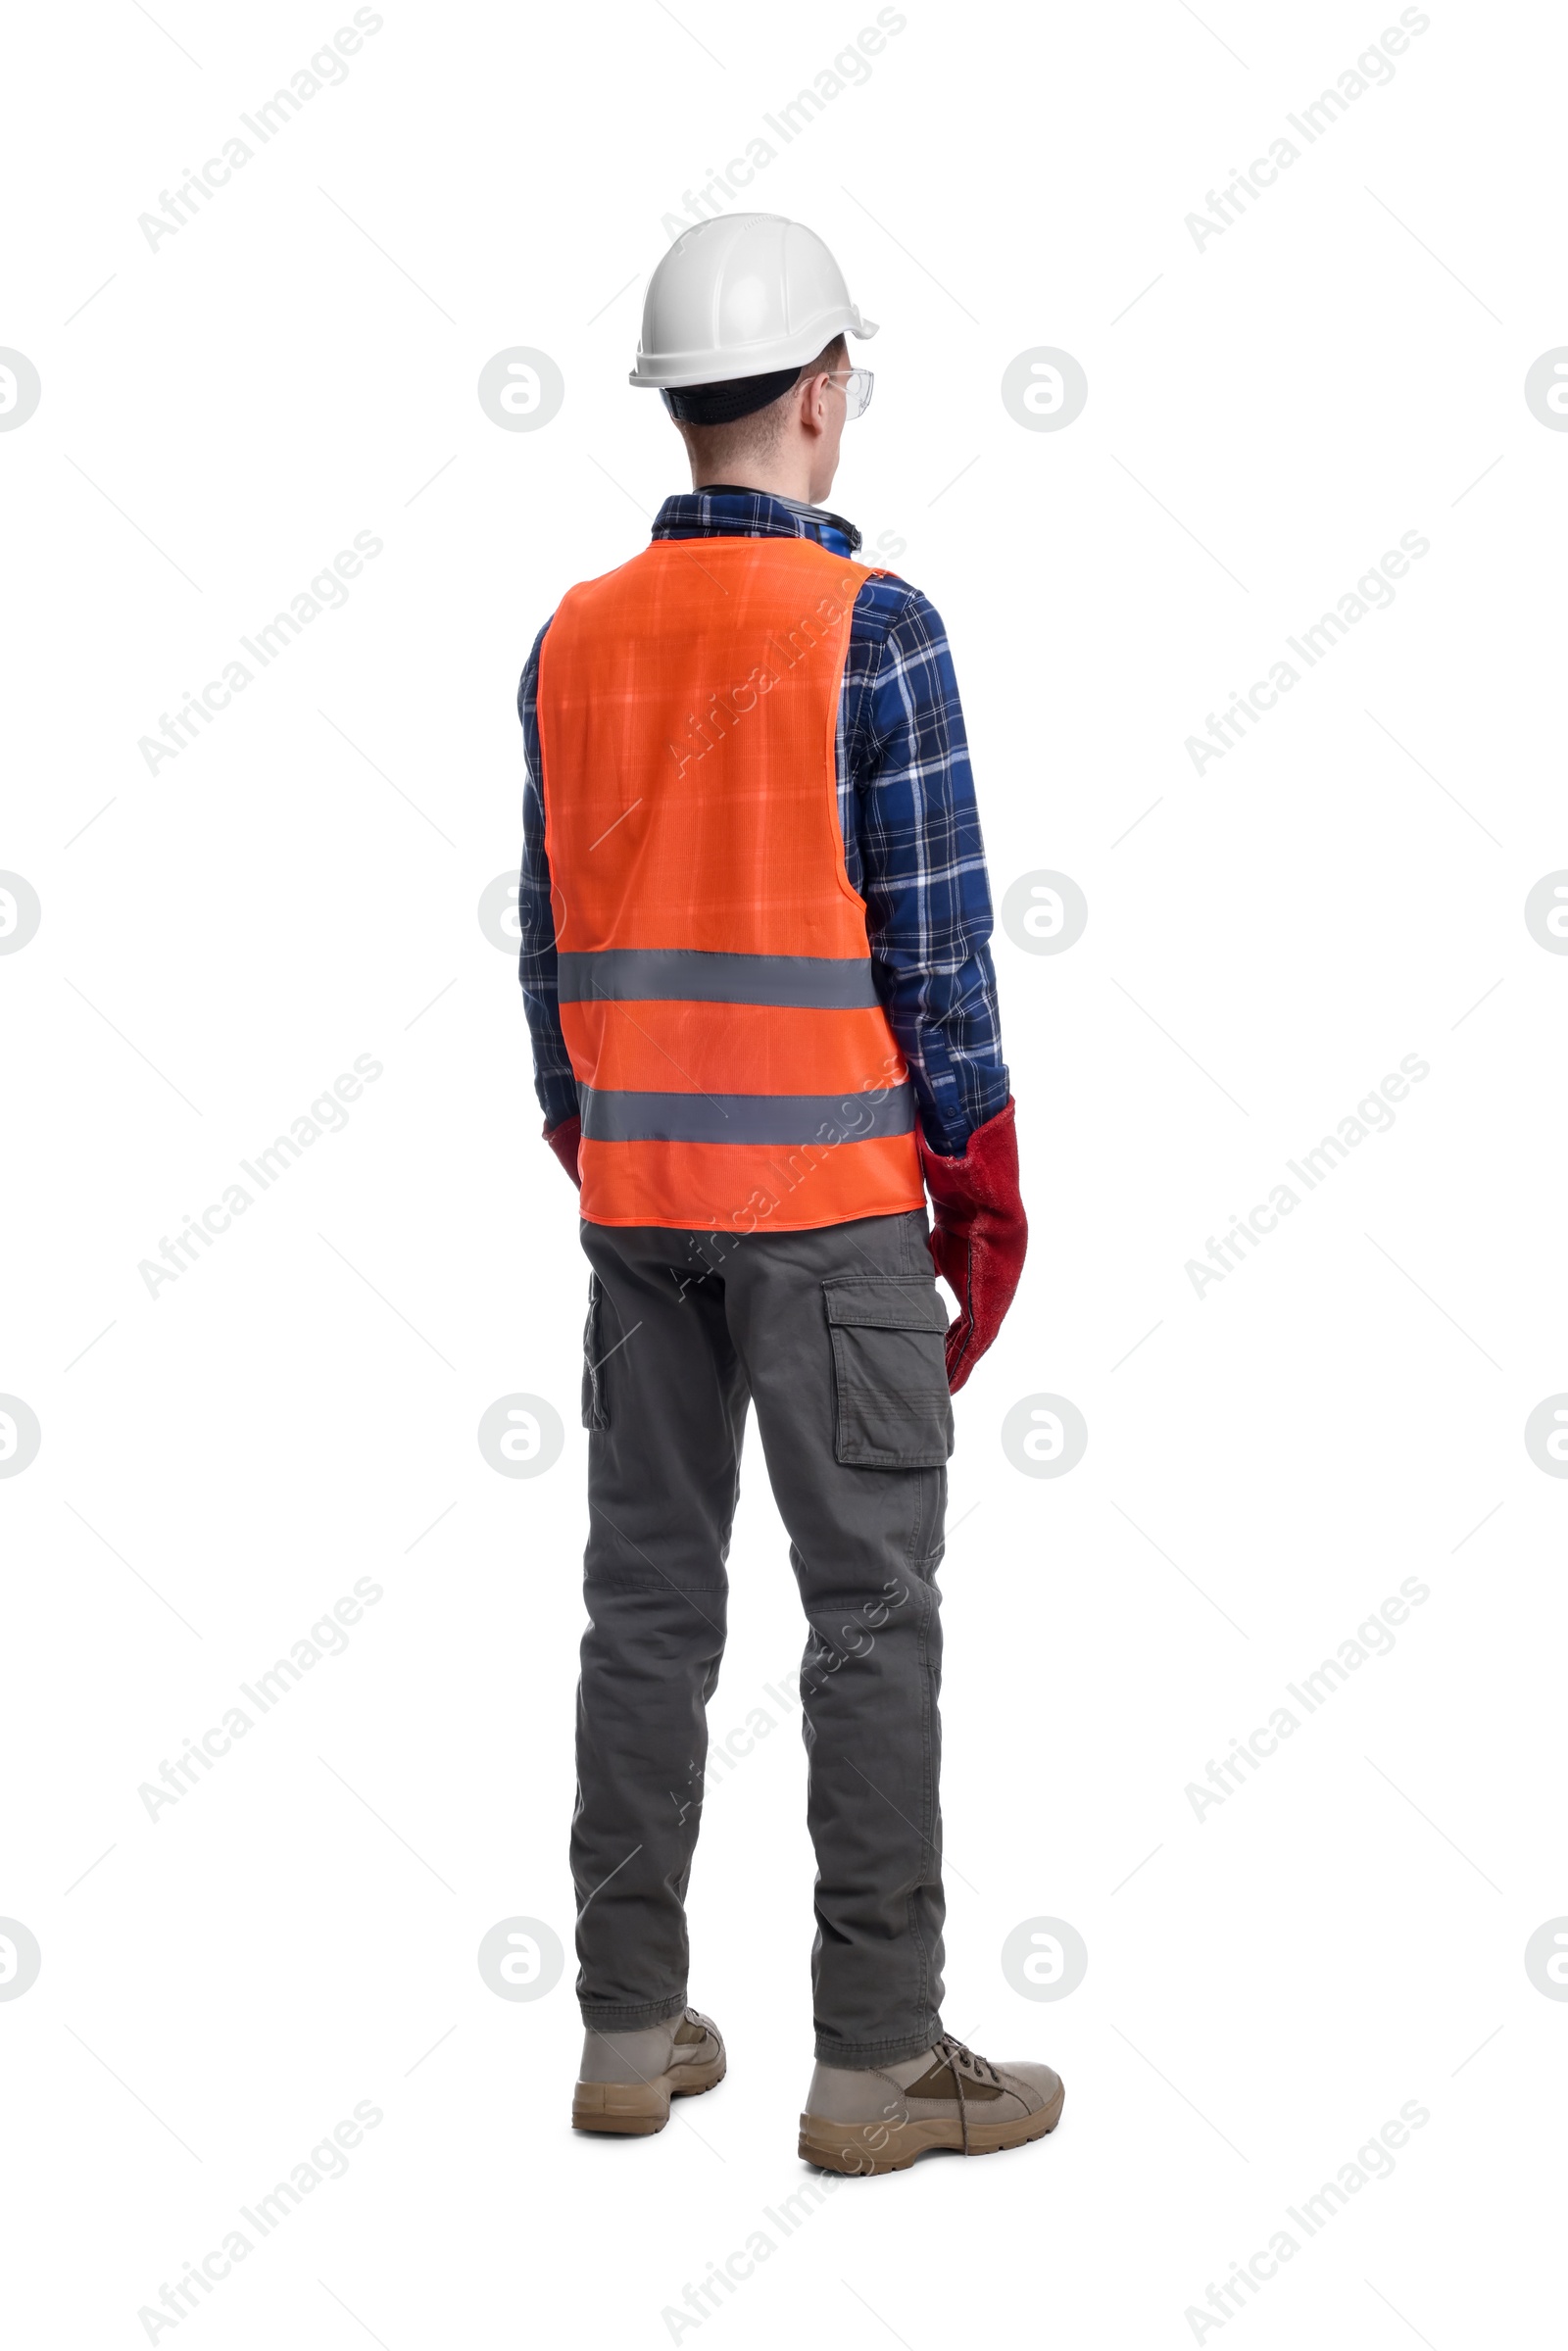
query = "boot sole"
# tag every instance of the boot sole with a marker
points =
(637, 2109)
(863, 2150)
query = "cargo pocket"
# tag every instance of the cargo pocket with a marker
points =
(889, 1371)
(594, 1414)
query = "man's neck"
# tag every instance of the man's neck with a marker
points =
(774, 481)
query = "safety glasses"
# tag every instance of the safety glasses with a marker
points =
(857, 383)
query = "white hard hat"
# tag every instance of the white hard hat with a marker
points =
(750, 294)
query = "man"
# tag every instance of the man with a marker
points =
(754, 922)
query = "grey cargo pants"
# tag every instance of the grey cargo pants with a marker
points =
(837, 1335)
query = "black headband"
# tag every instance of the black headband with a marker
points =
(723, 403)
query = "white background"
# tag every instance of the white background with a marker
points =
(300, 887)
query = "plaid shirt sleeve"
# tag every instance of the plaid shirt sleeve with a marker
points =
(912, 846)
(553, 1079)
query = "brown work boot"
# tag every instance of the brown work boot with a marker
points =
(626, 2080)
(879, 2118)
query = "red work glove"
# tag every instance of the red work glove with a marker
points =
(564, 1141)
(979, 1236)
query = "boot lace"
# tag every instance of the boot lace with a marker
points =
(966, 2064)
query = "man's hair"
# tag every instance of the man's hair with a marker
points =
(713, 447)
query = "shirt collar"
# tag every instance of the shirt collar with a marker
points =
(722, 513)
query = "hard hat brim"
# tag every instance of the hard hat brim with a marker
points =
(675, 371)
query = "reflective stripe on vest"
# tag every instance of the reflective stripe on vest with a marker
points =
(735, 1068)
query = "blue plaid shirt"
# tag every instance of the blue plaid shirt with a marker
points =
(907, 810)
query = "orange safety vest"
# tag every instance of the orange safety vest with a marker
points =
(735, 1068)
